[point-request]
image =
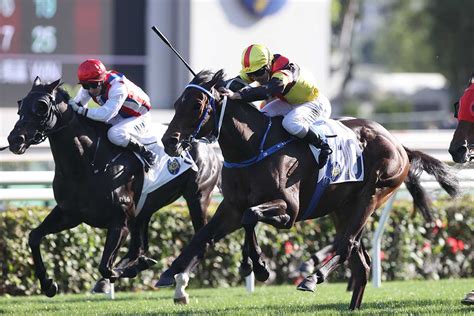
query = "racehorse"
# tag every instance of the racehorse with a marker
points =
(98, 183)
(269, 177)
(461, 147)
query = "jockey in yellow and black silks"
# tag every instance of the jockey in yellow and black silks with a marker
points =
(297, 97)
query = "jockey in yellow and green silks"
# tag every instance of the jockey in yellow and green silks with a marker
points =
(297, 97)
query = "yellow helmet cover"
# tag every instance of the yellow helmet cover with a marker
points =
(255, 57)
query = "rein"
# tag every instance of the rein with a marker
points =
(53, 113)
(211, 105)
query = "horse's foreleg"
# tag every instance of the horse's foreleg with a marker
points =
(273, 213)
(56, 221)
(225, 220)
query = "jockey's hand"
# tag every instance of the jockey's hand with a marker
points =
(79, 109)
(230, 94)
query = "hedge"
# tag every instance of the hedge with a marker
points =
(411, 249)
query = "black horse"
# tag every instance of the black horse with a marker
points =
(278, 188)
(99, 183)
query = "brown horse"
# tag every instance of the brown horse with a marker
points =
(271, 177)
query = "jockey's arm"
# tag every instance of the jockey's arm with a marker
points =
(274, 87)
(117, 95)
(82, 97)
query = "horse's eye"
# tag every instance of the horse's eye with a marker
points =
(41, 108)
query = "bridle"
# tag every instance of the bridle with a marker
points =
(47, 123)
(204, 117)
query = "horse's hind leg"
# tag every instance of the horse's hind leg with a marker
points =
(116, 236)
(349, 239)
(135, 260)
(359, 264)
(56, 221)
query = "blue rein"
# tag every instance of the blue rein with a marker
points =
(262, 153)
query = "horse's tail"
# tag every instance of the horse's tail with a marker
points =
(444, 174)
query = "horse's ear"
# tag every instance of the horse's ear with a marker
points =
(217, 78)
(53, 85)
(37, 81)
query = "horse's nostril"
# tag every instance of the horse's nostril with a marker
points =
(20, 139)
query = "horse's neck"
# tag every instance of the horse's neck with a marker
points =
(242, 131)
(73, 144)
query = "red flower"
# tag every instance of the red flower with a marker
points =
(382, 255)
(454, 244)
(288, 247)
(460, 245)
(426, 246)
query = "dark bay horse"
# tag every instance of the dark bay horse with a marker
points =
(99, 183)
(277, 188)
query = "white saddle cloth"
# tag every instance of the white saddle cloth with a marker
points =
(166, 169)
(346, 162)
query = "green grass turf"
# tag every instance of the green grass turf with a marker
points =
(404, 297)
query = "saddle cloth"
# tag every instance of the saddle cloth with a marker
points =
(346, 163)
(166, 169)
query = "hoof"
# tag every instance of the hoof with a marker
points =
(51, 288)
(102, 287)
(182, 300)
(245, 269)
(147, 262)
(166, 280)
(308, 284)
(261, 272)
(129, 272)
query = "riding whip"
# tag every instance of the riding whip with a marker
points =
(165, 40)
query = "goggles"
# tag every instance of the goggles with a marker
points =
(258, 73)
(90, 85)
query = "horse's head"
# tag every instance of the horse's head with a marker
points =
(39, 112)
(462, 144)
(195, 113)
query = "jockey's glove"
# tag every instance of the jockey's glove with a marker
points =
(79, 109)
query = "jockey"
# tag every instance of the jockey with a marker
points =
(298, 98)
(122, 104)
(466, 102)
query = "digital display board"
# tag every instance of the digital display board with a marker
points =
(49, 38)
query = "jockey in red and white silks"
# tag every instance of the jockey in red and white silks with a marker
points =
(122, 104)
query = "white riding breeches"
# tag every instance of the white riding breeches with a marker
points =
(123, 129)
(299, 118)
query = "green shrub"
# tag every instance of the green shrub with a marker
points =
(411, 249)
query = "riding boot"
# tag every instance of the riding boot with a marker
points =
(320, 143)
(148, 156)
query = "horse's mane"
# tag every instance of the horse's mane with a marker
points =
(63, 94)
(206, 76)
